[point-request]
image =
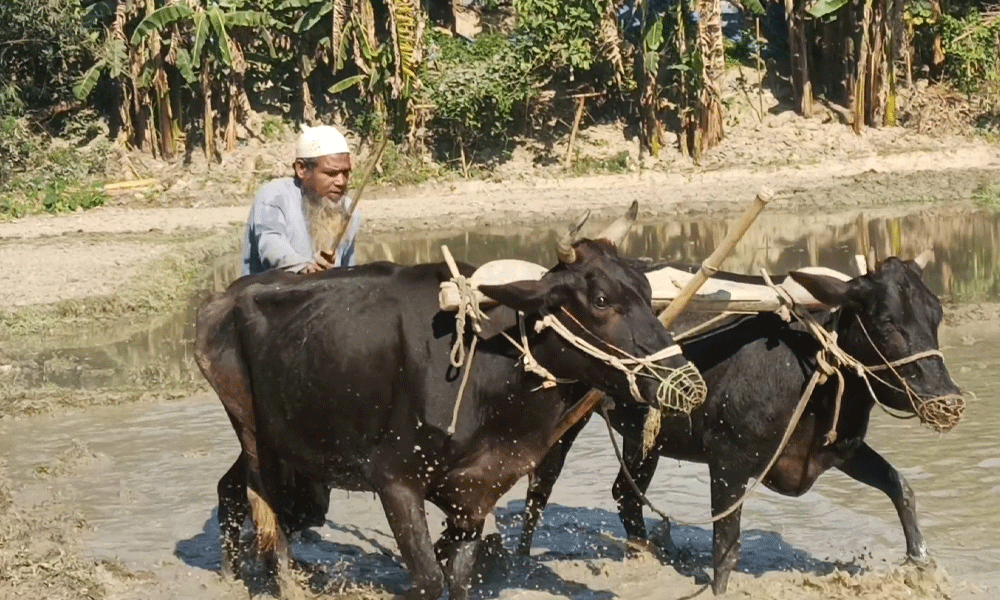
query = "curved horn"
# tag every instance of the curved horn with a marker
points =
(564, 247)
(616, 232)
(870, 260)
(924, 258)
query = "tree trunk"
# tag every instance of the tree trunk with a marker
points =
(860, 89)
(799, 51)
(713, 77)
(209, 124)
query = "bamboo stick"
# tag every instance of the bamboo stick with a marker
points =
(356, 198)
(712, 263)
(130, 185)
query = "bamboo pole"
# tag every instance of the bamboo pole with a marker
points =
(711, 264)
(670, 314)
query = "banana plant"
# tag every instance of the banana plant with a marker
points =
(215, 59)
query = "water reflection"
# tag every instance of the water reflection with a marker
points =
(965, 242)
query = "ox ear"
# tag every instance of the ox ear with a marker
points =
(830, 291)
(527, 296)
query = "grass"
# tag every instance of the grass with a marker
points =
(987, 195)
(590, 165)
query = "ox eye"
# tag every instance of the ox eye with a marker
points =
(601, 301)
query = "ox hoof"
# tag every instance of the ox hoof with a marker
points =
(492, 560)
(921, 561)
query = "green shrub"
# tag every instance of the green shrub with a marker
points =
(972, 51)
(56, 179)
(475, 87)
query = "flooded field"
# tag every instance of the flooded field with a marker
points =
(143, 475)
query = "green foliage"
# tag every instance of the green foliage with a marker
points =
(972, 51)
(587, 165)
(401, 168)
(476, 87)
(17, 147)
(44, 48)
(560, 36)
(754, 6)
(822, 8)
(987, 196)
(918, 13)
(53, 180)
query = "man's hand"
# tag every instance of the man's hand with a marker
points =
(322, 261)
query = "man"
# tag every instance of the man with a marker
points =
(294, 221)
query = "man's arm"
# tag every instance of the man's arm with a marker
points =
(271, 229)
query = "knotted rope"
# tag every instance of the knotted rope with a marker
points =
(681, 389)
(468, 305)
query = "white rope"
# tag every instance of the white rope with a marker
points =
(468, 305)
(631, 366)
(530, 364)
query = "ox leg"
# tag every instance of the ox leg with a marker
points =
(867, 466)
(404, 509)
(542, 480)
(458, 547)
(629, 503)
(726, 490)
(233, 510)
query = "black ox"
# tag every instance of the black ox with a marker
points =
(757, 369)
(343, 380)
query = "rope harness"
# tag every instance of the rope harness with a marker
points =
(941, 413)
(680, 389)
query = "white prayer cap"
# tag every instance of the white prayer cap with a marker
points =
(320, 141)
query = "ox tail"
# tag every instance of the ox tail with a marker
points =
(265, 521)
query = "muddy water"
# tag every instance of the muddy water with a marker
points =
(146, 482)
(967, 246)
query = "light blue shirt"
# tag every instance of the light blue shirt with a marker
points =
(277, 236)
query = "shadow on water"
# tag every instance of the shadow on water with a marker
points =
(565, 534)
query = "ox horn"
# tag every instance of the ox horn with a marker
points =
(870, 260)
(616, 232)
(564, 247)
(924, 258)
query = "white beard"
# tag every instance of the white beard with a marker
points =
(326, 221)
